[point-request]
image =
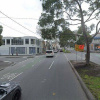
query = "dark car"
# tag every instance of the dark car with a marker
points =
(61, 50)
(10, 91)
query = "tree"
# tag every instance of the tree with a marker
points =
(1, 29)
(66, 35)
(51, 21)
(81, 39)
(76, 13)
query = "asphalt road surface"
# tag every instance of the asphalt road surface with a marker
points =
(44, 78)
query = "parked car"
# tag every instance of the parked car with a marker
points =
(61, 50)
(55, 51)
(49, 53)
(10, 91)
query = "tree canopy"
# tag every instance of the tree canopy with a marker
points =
(65, 36)
(51, 21)
(81, 39)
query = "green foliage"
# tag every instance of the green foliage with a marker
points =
(45, 19)
(51, 21)
(66, 35)
(81, 41)
(82, 38)
(48, 33)
(93, 83)
(1, 29)
(91, 80)
(66, 51)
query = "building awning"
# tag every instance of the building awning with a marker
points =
(96, 37)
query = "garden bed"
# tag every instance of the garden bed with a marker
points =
(90, 75)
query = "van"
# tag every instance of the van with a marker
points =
(49, 53)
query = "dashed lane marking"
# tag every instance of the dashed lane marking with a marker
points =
(16, 76)
(51, 65)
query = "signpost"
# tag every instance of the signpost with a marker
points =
(79, 48)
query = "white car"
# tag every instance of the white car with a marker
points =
(55, 51)
(49, 53)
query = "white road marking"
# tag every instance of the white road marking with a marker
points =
(16, 76)
(11, 76)
(7, 61)
(23, 61)
(43, 81)
(51, 65)
(5, 75)
(24, 57)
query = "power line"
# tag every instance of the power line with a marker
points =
(12, 28)
(17, 22)
(21, 18)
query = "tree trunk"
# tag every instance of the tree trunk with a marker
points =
(85, 35)
(87, 54)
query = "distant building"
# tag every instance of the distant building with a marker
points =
(95, 45)
(27, 45)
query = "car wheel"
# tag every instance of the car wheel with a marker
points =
(17, 95)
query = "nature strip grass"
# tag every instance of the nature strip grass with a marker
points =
(92, 82)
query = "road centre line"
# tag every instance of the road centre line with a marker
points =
(51, 65)
(16, 76)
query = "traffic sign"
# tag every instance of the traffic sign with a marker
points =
(79, 47)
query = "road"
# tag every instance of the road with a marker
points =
(44, 78)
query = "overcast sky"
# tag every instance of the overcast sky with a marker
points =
(20, 9)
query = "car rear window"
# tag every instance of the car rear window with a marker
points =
(48, 51)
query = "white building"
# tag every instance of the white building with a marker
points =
(27, 45)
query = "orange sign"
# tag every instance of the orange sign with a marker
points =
(81, 47)
(76, 47)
